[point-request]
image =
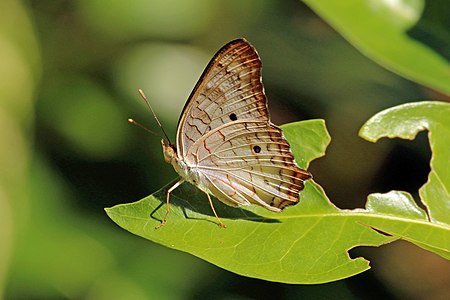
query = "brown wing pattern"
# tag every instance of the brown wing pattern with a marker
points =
(225, 135)
(229, 89)
(249, 162)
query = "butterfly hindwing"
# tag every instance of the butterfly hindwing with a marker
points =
(248, 162)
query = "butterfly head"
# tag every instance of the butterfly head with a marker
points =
(171, 157)
(169, 150)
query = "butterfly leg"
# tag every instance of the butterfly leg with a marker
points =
(214, 211)
(177, 184)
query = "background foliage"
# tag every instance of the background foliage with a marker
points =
(70, 70)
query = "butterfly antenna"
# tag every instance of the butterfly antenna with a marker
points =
(154, 115)
(142, 126)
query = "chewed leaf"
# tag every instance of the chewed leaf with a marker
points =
(257, 242)
(309, 242)
(405, 121)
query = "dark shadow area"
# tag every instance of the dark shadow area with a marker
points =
(367, 286)
(387, 234)
(405, 168)
(190, 198)
(225, 285)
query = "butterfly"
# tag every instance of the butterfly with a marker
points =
(225, 143)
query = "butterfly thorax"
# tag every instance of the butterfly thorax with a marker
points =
(188, 173)
(169, 151)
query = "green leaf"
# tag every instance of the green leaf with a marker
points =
(405, 121)
(406, 37)
(307, 243)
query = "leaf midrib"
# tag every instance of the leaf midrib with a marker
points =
(327, 215)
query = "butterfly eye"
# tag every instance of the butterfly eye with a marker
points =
(233, 117)
(257, 149)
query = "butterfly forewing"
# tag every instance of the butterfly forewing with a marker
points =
(225, 134)
(229, 89)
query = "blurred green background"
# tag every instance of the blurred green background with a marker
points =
(69, 74)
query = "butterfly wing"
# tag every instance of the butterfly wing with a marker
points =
(229, 89)
(248, 162)
(226, 136)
